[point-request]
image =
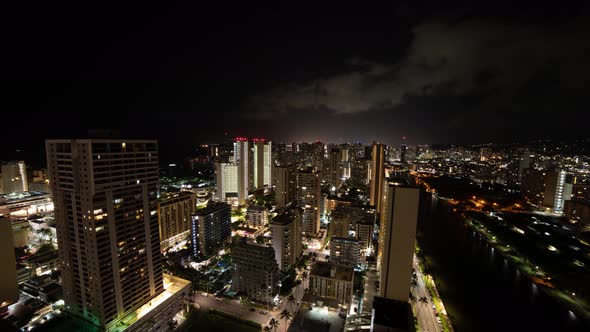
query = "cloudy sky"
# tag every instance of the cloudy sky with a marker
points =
(432, 72)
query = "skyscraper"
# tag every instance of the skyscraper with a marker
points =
(262, 163)
(334, 168)
(174, 214)
(242, 157)
(8, 284)
(285, 185)
(286, 237)
(227, 182)
(14, 177)
(105, 196)
(210, 228)
(377, 175)
(397, 236)
(403, 153)
(308, 198)
(254, 270)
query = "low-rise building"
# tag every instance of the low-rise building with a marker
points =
(345, 251)
(257, 216)
(332, 281)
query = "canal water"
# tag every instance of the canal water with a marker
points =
(480, 289)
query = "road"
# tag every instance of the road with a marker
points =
(426, 314)
(231, 307)
(234, 308)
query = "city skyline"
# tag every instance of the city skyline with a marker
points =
(219, 167)
(433, 73)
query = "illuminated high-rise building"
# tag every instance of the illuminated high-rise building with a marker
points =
(285, 184)
(174, 214)
(334, 168)
(262, 163)
(254, 270)
(403, 153)
(14, 177)
(242, 157)
(308, 198)
(557, 191)
(397, 237)
(377, 175)
(210, 228)
(286, 237)
(227, 182)
(9, 292)
(106, 212)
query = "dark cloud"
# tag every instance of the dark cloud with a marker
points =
(509, 67)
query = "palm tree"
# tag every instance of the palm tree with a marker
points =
(414, 283)
(412, 297)
(286, 316)
(291, 300)
(423, 300)
(267, 329)
(273, 324)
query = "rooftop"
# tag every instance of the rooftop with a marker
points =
(326, 270)
(172, 285)
(345, 239)
(391, 314)
(285, 218)
(212, 207)
(22, 196)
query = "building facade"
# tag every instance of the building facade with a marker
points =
(254, 270)
(308, 198)
(286, 237)
(345, 251)
(105, 196)
(377, 175)
(210, 228)
(9, 293)
(397, 237)
(285, 177)
(332, 282)
(257, 216)
(174, 213)
(14, 177)
(227, 183)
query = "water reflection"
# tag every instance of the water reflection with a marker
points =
(478, 282)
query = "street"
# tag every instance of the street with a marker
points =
(232, 307)
(426, 316)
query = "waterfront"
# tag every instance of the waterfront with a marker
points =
(480, 289)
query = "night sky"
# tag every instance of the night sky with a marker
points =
(432, 72)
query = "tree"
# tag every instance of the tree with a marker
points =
(412, 297)
(286, 315)
(414, 283)
(44, 249)
(423, 300)
(267, 329)
(273, 324)
(291, 300)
